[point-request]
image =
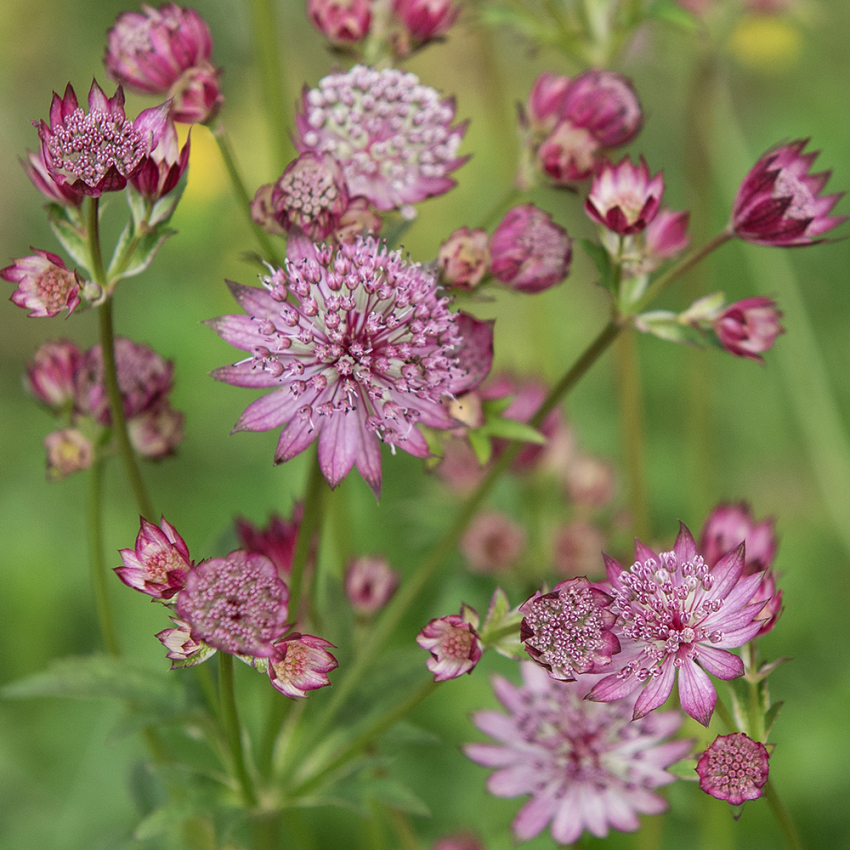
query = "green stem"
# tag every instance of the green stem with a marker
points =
(789, 830)
(242, 195)
(413, 585)
(93, 233)
(116, 409)
(97, 561)
(275, 96)
(361, 741)
(632, 419)
(230, 722)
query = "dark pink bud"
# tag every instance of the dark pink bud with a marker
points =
(544, 106)
(474, 353)
(528, 251)
(51, 374)
(276, 541)
(623, 197)
(341, 21)
(779, 202)
(426, 19)
(604, 103)
(46, 286)
(59, 193)
(748, 327)
(729, 525)
(163, 167)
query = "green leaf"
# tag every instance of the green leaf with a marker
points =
(96, 676)
(667, 326)
(770, 718)
(69, 231)
(602, 260)
(164, 208)
(510, 429)
(480, 445)
(671, 12)
(143, 252)
(138, 208)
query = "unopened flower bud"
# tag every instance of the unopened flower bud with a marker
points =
(342, 22)
(50, 375)
(426, 19)
(605, 103)
(464, 258)
(370, 583)
(301, 664)
(748, 327)
(68, 450)
(46, 286)
(493, 542)
(623, 197)
(454, 644)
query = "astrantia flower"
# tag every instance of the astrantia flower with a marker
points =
(528, 251)
(68, 450)
(677, 614)
(492, 542)
(748, 327)
(156, 432)
(392, 135)
(426, 19)
(159, 563)
(341, 21)
(729, 525)
(464, 258)
(59, 193)
(276, 541)
(183, 649)
(734, 768)
(454, 644)
(97, 151)
(50, 375)
(605, 103)
(46, 286)
(586, 766)
(569, 630)
(363, 350)
(163, 167)
(166, 51)
(237, 604)
(569, 153)
(300, 663)
(623, 197)
(370, 582)
(779, 202)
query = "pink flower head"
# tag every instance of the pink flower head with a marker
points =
(143, 377)
(300, 663)
(676, 613)
(665, 236)
(623, 197)
(464, 258)
(590, 481)
(276, 541)
(59, 193)
(569, 630)
(160, 562)
(370, 583)
(493, 542)
(748, 327)
(453, 643)
(183, 649)
(163, 167)
(426, 19)
(568, 153)
(50, 375)
(310, 195)
(577, 548)
(544, 107)
(604, 103)
(729, 525)
(341, 21)
(734, 768)
(528, 251)
(779, 202)
(474, 352)
(99, 150)
(586, 766)
(156, 432)
(392, 136)
(166, 51)
(68, 450)
(363, 350)
(46, 286)
(237, 604)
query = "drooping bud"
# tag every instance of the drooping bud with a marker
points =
(749, 327)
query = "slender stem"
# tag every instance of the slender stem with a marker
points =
(683, 266)
(275, 95)
(632, 423)
(412, 587)
(93, 232)
(116, 409)
(97, 561)
(311, 524)
(230, 721)
(789, 830)
(242, 195)
(361, 741)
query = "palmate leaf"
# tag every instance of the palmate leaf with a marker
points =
(98, 676)
(68, 229)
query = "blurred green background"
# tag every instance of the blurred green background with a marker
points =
(776, 435)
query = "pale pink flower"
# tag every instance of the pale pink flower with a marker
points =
(163, 167)
(591, 482)
(276, 541)
(569, 630)
(166, 51)
(342, 22)
(528, 251)
(568, 153)
(300, 663)
(578, 548)
(734, 768)
(370, 583)
(588, 767)
(50, 375)
(46, 286)
(182, 647)
(99, 150)
(731, 524)
(749, 327)
(362, 351)
(59, 193)
(426, 19)
(464, 258)
(454, 644)
(677, 614)
(237, 604)
(492, 542)
(156, 432)
(392, 135)
(779, 202)
(160, 562)
(68, 451)
(623, 197)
